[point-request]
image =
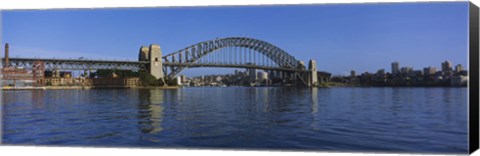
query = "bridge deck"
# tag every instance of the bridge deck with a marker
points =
(83, 64)
(194, 65)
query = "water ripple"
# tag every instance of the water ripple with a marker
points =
(345, 119)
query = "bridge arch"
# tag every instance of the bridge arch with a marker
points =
(191, 54)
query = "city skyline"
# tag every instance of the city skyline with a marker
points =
(399, 65)
(415, 34)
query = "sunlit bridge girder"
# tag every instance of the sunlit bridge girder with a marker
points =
(238, 52)
(76, 64)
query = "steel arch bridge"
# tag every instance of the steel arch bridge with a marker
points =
(230, 52)
(234, 52)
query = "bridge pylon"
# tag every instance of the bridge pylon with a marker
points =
(312, 75)
(152, 54)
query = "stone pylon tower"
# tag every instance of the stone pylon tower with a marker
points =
(153, 54)
(143, 54)
(156, 64)
(312, 68)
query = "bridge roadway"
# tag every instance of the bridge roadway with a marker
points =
(77, 64)
(86, 64)
(230, 52)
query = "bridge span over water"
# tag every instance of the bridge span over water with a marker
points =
(231, 52)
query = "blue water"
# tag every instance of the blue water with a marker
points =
(426, 120)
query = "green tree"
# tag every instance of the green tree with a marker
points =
(149, 80)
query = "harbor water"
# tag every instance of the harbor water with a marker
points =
(427, 120)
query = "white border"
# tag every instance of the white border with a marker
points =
(74, 151)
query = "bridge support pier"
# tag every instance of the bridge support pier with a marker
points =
(312, 73)
(153, 54)
(156, 64)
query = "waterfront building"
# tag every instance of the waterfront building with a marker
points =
(259, 75)
(218, 78)
(458, 68)
(66, 74)
(395, 68)
(406, 70)
(446, 66)
(352, 73)
(183, 79)
(52, 81)
(132, 81)
(59, 81)
(178, 80)
(439, 76)
(66, 81)
(56, 73)
(416, 73)
(459, 80)
(323, 76)
(264, 76)
(447, 69)
(381, 72)
(252, 74)
(14, 76)
(119, 82)
(429, 70)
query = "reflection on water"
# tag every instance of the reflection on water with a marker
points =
(151, 110)
(366, 119)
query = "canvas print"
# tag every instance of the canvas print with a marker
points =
(372, 77)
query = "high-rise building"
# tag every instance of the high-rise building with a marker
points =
(259, 75)
(183, 79)
(429, 70)
(458, 68)
(252, 74)
(406, 70)
(353, 73)
(395, 67)
(264, 76)
(446, 66)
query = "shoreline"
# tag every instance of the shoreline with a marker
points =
(177, 87)
(88, 87)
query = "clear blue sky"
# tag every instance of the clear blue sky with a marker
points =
(341, 37)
